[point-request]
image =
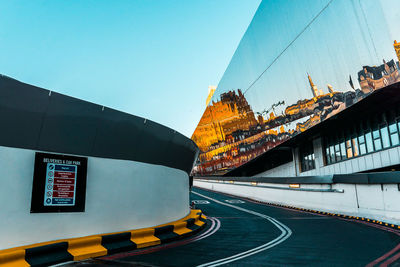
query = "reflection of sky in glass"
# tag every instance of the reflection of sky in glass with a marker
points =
(343, 38)
(391, 10)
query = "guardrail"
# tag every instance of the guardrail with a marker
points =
(373, 196)
(355, 178)
(295, 187)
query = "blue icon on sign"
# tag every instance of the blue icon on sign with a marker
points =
(51, 167)
(48, 201)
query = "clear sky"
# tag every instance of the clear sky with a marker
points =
(150, 58)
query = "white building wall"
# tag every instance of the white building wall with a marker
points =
(364, 200)
(284, 170)
(120, 195)
(318, 152)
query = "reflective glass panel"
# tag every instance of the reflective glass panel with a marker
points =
(327, 156)
(370, 146)
(298, 64)
(394, 136)
(385, 137)
(395, 139)
(363, 149)
(375, 134)
(393, 128)
(332, 151)
(337, 151)
(377, 140)
(349, 151)
(354, 143)
(343, 149)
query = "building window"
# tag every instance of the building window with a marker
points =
(307, 157)
(343, 151)
(328, 155)
(394, 134)
(369, 136)
(385, 136)
(354, 144)
(377, 140)
(370, 145)
(338, 153)
(363, 147)
(349, 149)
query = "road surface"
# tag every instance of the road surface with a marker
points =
(244, 233)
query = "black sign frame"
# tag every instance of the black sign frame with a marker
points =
(39, 183)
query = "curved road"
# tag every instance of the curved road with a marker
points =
(243, 233)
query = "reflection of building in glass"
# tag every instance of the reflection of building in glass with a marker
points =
(397, 49)
(211, 90)
(229, 134)
(376, 77)
(313, 120)
(314, 88)
(222, 118)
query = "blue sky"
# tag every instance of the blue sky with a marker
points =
(150, 58)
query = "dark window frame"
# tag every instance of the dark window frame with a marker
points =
(368, 136)
(307, 157)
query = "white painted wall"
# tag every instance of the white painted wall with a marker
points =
(363, 200)
(284, 170)
(120, 195)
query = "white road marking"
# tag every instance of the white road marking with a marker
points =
(285, 234)
(216, 224)
(201, 202)
(235, 201)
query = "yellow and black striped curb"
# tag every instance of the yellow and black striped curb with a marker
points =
(352, 217)
(54, 252)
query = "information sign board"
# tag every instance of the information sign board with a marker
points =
(59, 183)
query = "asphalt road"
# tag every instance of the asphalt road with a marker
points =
(243, 233)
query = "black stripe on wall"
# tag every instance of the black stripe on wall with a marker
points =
(34, 118)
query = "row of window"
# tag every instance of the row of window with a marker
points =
(367, 141)
(370, 135)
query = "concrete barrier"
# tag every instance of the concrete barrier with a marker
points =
(120, 195)
(48, 253)
(375, 201)
(137, 170)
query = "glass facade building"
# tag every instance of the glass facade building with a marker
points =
(298, 64)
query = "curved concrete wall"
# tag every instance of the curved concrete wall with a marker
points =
(137, 171)
(120, 195)
(39, 119)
